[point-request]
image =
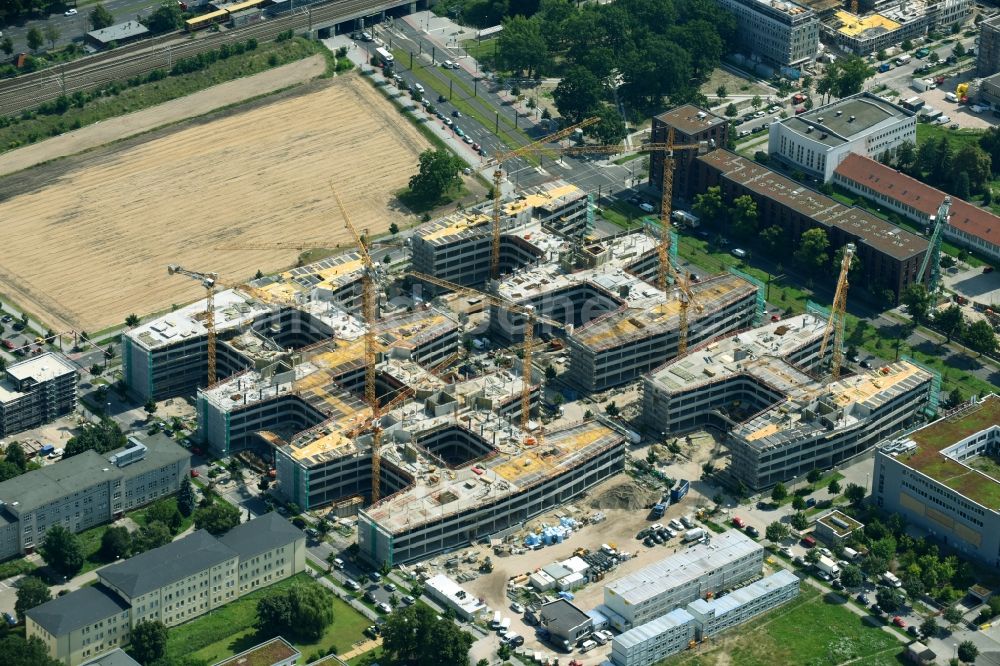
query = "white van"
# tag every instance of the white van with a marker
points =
(419, 88)
(738, 253)
(587, 646)
(951, 97)
(495, 622)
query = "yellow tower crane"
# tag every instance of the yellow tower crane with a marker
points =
(368, 297)
(209, 281)
(838, 314)
(531, 319)
(498, 162)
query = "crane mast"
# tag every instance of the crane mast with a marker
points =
(838, 314)
(368, 298)
(208, 280)
(932, 258)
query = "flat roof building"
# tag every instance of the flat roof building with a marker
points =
(654, 641)
(275, 652)
(864, 35)
(942, 478)
(836, 526)
(691, 125)
(757, 387)
(988, 56)
(890, 257)
(35, 391)
(782, 33)
(724, 562)
(565, 621)
(968, 226)
(451, 595)
(817, 141)
(117, 657)
(116, 35)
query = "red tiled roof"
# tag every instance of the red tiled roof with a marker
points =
(926, 199)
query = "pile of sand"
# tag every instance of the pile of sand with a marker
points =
(626, 495)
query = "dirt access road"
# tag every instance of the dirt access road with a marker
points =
(87, 239)
(196, 104)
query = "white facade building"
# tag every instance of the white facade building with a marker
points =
(654, 641)
(783, 33)
(816, 141)
(725, 561)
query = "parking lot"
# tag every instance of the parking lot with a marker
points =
(975, 285)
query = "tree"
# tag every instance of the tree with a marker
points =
(855, 493)
(521, 46)
(612, 409)
(847, 76)
(756, 102)
(929, 626)
(721, 92)
(813, 245)
(416, 636)
(577, 95)
(976, 163)
(102, 437)
(772, 237)
(437, 176)
(611, 128)
(776, 532)
(798, 503)
(934, 57)
(185, 498)
(115, 544)
(9, 471)
(31, 592)
(165, 511)
(888, 599)
(990, 142)
(17, 651)
(917, 301)
(51, 34)
(812, 556)
(799, 520)
(967, 651)
(779, 492)
(955, 398)
(709, 207)
(731, 110)
(165, 18)
(952, 615)
(302, 611)
(7, 45)
(14, 455)
(61, 550)
(833, 487)
(980, 337)
(150, 536)
(907, 45)
(744, 216)
(218, 518)
(149, 641)
(393, 228)
(851, 576)
(133, 319)
(100, 17)
(950, 321)
(35, 39)
(150, 407)
(814, 475)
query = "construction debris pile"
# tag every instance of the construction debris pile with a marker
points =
(626, 495)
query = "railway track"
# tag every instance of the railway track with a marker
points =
(29, 91)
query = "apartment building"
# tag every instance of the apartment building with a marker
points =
(890, 256)
(781, 33)
(727, 560)
(868, 34)
(780, 421)
(691, 126)
(35, 391)
(650, 643)
(940, 478)
(988, 56)
(87, 490)
(969, 226)
(171, 584)
(817, 141)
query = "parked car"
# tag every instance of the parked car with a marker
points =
(456, 114)
(517, 608)
(375, 576)
(862, 598)
(70, 12)
(899, 622)
(383, 607)
(408, 600)
(739, 522)
(753, 531)
(390, 587)
(352, 584)
(647, 207)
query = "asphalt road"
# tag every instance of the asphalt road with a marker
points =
(73, 28)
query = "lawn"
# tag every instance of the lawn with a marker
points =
(484, 52)
(230, 629)
(808, 631)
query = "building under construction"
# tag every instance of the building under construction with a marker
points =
(759, 389)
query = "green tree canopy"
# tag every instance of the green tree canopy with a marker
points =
(521, 46)
(31, 592)
(165, 18)
(102, 437)
(854, 493)
(709, 207)
(116, 542)
(814, 475)
(35, 38)
(611, 129)
(850, 576)
(149, 641)
(917, 301)
(744, 216)
(416, 636)
(799, 520)
(61, 550)
(833, 487)
(798, 503)
(776, 532)
(578, 94)
(980, 337)
(185, 498)
(150, 536)
(812, 250)
(17, 651)
(889, 599)
(967, 652)
(438, 175)
(779, 492)
(217, 518)
(847, 76)
(100, 17)
(976, 163)
(950, 321)
(14, 454)
(772, 237)
(301, 611)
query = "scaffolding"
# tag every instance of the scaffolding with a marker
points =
(934, 399)
(761, 308)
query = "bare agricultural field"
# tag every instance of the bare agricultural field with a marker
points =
(87, 239)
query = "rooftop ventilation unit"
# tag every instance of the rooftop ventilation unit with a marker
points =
(839, 112)
(851, 119)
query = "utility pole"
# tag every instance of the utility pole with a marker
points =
(451, 85)
(496, 130)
